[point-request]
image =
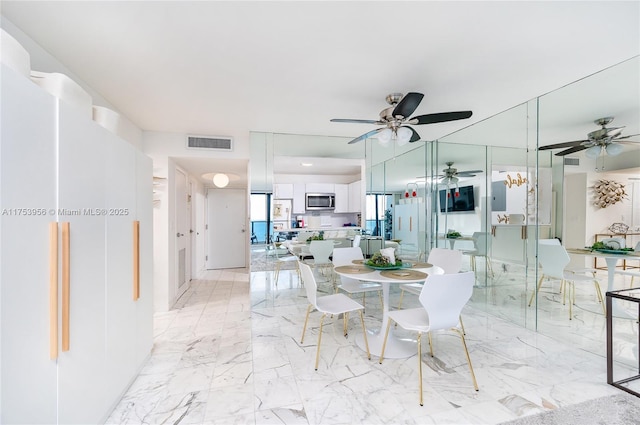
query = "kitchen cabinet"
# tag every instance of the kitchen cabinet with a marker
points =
(60, 170)
(320, 188)
(355, 196)
(283, 191)
(342, 198)
(299, 199)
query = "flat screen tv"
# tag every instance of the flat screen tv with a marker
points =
(464, 201)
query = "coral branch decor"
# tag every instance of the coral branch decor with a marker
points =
(608, 192)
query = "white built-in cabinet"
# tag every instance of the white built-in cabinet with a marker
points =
(348, 197)
(406, 223)
(355, 196)
(320, 188)
(283, 191)
(299, 198)
(59, 169)
(342, 198)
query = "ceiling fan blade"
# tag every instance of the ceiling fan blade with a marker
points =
(441, 117)
(408, 104)
(572, 150)
(462, 173)
(562, 145)
(366, 136)
(355, 121)
(414, 136)
(616, 139)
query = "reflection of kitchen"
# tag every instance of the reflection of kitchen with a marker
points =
(317, 206)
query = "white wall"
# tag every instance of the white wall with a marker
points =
(42, 61)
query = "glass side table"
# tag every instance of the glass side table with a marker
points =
(631, 295)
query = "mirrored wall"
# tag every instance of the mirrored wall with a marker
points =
(489, 192)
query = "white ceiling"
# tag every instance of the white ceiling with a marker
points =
(229, 68)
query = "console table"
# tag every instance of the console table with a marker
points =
(628, 244)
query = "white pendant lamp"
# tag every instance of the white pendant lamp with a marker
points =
(220, 180)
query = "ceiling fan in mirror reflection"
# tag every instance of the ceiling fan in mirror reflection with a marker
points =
(609, 140)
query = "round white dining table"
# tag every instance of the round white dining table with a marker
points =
(397, 347)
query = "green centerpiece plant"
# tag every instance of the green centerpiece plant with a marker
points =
(452, 234)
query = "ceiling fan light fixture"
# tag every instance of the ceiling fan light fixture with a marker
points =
(220, 180)
(403, 135)
(593, 152)
(614, 149)
(384, 136)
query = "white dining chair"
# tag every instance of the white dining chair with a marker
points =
(356, 241)
(283, 257)
(328, 304)
(345, 257)
(449, 260)
(443, 298)
(481, 249)
(321, 251)
(554, 259)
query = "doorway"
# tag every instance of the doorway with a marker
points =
(227, 237)
(183, 216)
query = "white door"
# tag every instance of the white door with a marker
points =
(182, 230)
(227, 233)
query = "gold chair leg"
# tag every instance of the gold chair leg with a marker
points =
(364, 332)
(381, 300)
(420, 364)
(384, 343)
(488, 259)
(572, 286)
(466, 351)
(401, 297)
(430, 343)
(564, 292)
(277, 272)
(536, 290)
(345, 319)
(462, 325)
(305, 323)
(599, 292)
(319, 340)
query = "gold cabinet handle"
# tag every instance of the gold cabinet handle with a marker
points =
(53, 290)
(399, 223)
(66, 276)
(410, 224)
(136, 260)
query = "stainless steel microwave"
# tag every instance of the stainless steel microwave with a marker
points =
(321, 201)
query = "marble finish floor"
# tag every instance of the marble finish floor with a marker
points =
(230, 353)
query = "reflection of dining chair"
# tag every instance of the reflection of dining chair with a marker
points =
(345, 257)
(449, 260)
(442, 298)
(356, 241)
(329, 304)
(481, 249)
(321, 251)
(554, 259)
(283, 257)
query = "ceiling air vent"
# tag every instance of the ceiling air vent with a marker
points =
(216, 143)
(571, 161)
